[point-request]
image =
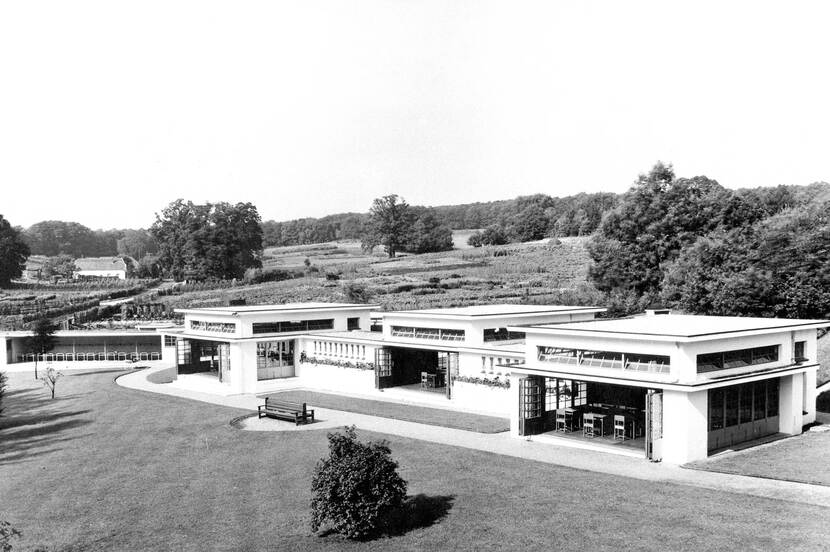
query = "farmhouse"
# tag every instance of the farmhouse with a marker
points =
(101, 267)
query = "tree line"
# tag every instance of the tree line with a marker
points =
(523, 218)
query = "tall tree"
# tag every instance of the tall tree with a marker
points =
(42, 339)
(657, 218)
(208, 241)
(136, 244)
(13, 253)
(428, 235)
(780, 266)
(389, 224)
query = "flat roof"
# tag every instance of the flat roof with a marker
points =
(286, 307)
(496, 310)
(676, 326)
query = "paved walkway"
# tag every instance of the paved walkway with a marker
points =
(504, 444)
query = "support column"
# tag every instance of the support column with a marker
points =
(790, 402)
(513, 401)
(685, 426)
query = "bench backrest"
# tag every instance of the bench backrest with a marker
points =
(284, 405)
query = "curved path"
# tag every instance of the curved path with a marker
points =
(502, 443)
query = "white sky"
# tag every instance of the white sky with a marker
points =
(110, 110)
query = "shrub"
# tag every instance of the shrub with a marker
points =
(7, 533)
(3, 380)
(357, 489)
(357, 293)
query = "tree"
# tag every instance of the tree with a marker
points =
(51, 378)
(357, 488)
(428, 235)
(208, 241)
(136, 244)
(357, 293)
(495, 234)
(657, 218)
(7, 533)
(13, 253)
(388, 225)
(42, 339)
(62, 265)
(779, 266)
(532, 221)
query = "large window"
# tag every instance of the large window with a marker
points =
(740, 404)
(353, 324)
(501, 334)
(213, 327)
(657, 364)
(441, 334)
(562, 393)
(292, 326)
(725, 360)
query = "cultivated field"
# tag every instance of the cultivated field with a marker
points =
(512, 273)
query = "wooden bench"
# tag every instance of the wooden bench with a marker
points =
(286, 410)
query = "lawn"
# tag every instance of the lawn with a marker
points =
(399, 411)
(801, 458)
(108, 468)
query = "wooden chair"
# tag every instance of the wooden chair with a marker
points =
(588, 425)
(561, 424)
(619, 427)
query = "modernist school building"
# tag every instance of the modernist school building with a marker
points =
(462, 355)
(665, 386)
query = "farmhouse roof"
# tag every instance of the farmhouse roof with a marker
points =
(101, 263)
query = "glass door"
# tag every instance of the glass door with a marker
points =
(383, 368)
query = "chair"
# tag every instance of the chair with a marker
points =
(424, 380)
(561, 425)
(571, 419)
(619, 427)
(588, 425)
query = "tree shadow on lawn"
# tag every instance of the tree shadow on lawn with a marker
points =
(35, 438)
(416, 512)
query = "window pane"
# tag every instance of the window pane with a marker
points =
(772, 397)
(759, 409)
(731, 406)
(746, 403)
(716, 409)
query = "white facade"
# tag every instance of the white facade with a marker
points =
(673, 369)
(677, 356)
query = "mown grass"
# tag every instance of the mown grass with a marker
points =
(801, 458)
(398, 411)
(107, 468)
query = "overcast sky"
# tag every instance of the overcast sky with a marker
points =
(110, 110)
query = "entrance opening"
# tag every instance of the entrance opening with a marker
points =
(194, 356)
(416, 369)
(602, 413)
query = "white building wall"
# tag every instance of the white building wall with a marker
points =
(685, 428)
